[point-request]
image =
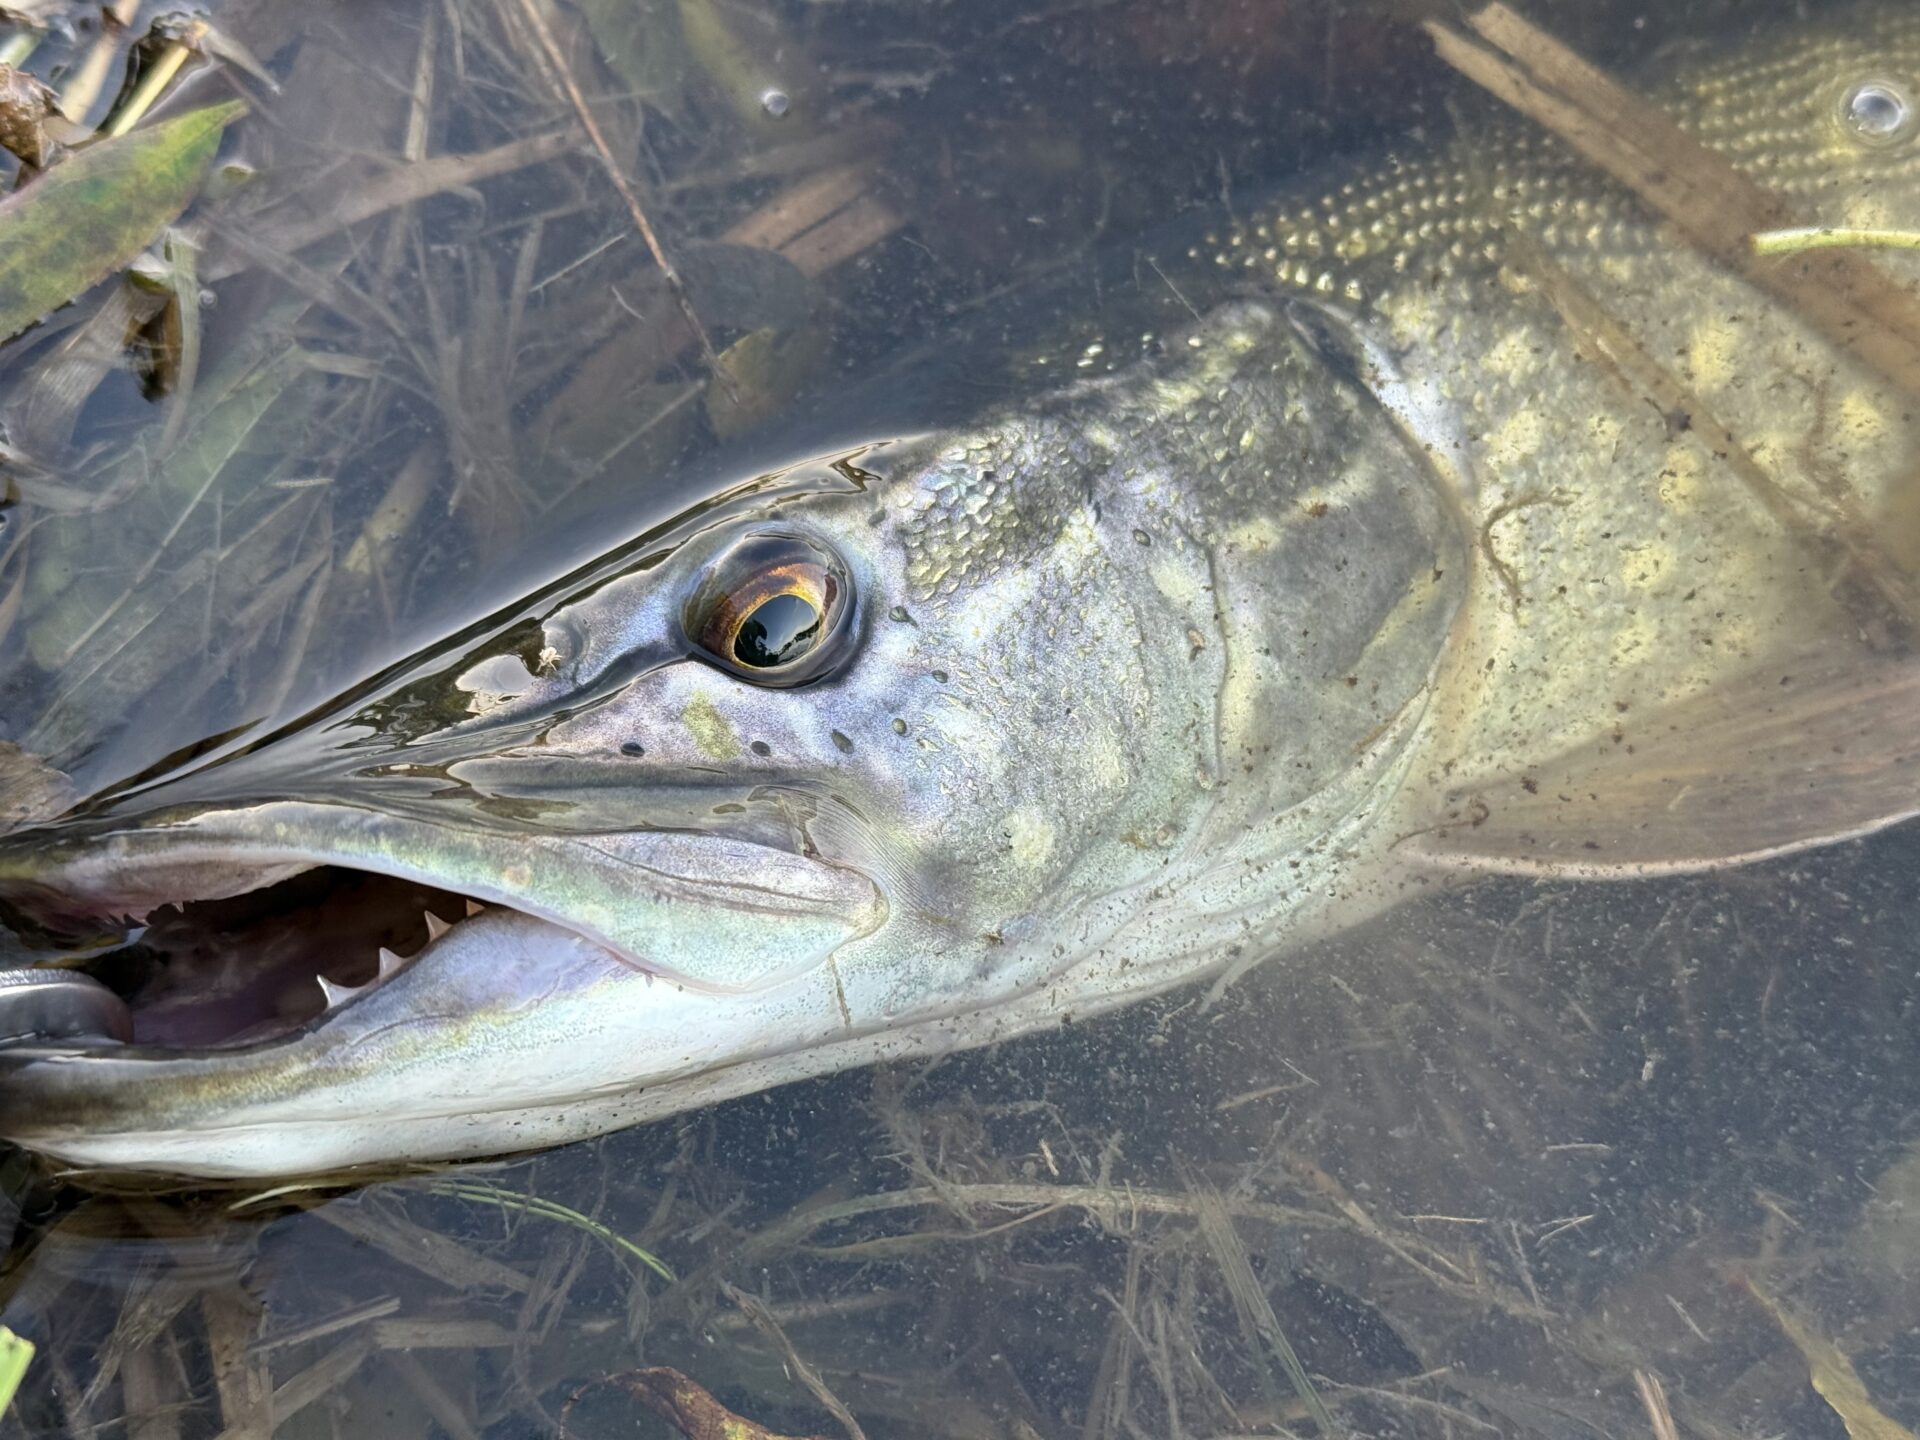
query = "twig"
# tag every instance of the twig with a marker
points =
(443, 1407)
(1654, 1397)
(813, 225)
(413, 139)
(448, 1261)
(182, 254)
(408, 1332)
(755, 1310)
(1395, 1394)
(801, 206)
(150, 1395)
(399, 184)
(327, 1325)
(860, 226)
(1122, 1209)
(1108, 1398)
(551, 49)
(320, 1379)
(240, 1371)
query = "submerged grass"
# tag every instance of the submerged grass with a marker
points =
(1471, 1174)
(547, 1209)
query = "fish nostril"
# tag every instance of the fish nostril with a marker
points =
(761, 748)
(633, 748)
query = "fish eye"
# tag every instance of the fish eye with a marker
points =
(1877, 112)
(774, 608)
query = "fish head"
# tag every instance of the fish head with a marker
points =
(975, 732)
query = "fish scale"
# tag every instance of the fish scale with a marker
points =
(1600, 515)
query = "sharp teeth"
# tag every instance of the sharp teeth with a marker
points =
(389, 962)
(474, 907)
(336, 994)
(436, 927)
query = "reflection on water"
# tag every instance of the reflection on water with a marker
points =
(1529, 1157)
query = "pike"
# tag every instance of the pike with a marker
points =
(1449, 518)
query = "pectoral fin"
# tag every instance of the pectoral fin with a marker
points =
(1782, 759)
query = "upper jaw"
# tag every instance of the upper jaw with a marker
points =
(705, 909)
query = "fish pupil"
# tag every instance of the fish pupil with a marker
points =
(779, 630)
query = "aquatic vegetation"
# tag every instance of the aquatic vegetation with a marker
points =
(1534, 1159)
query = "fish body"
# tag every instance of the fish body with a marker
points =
(1367, 562)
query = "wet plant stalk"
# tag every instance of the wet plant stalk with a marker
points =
(154, 83)
(89, 78)
(17, 47)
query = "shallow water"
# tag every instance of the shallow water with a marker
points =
(1534, 1158)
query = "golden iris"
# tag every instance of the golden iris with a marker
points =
(768, 606)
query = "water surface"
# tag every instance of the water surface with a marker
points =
(1534, 1158)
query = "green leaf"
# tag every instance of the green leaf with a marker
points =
(14, 1355)
(91, 214)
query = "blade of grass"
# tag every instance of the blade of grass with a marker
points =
(89, 78)
(1255, 1312)
(1831, 1374)
(552, 1210)
(182, 280)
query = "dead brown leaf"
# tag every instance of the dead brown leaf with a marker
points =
(683, 1403)
(25, 105)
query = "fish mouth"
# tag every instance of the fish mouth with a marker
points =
(568, 984)
(268, 963)
(225, 930)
